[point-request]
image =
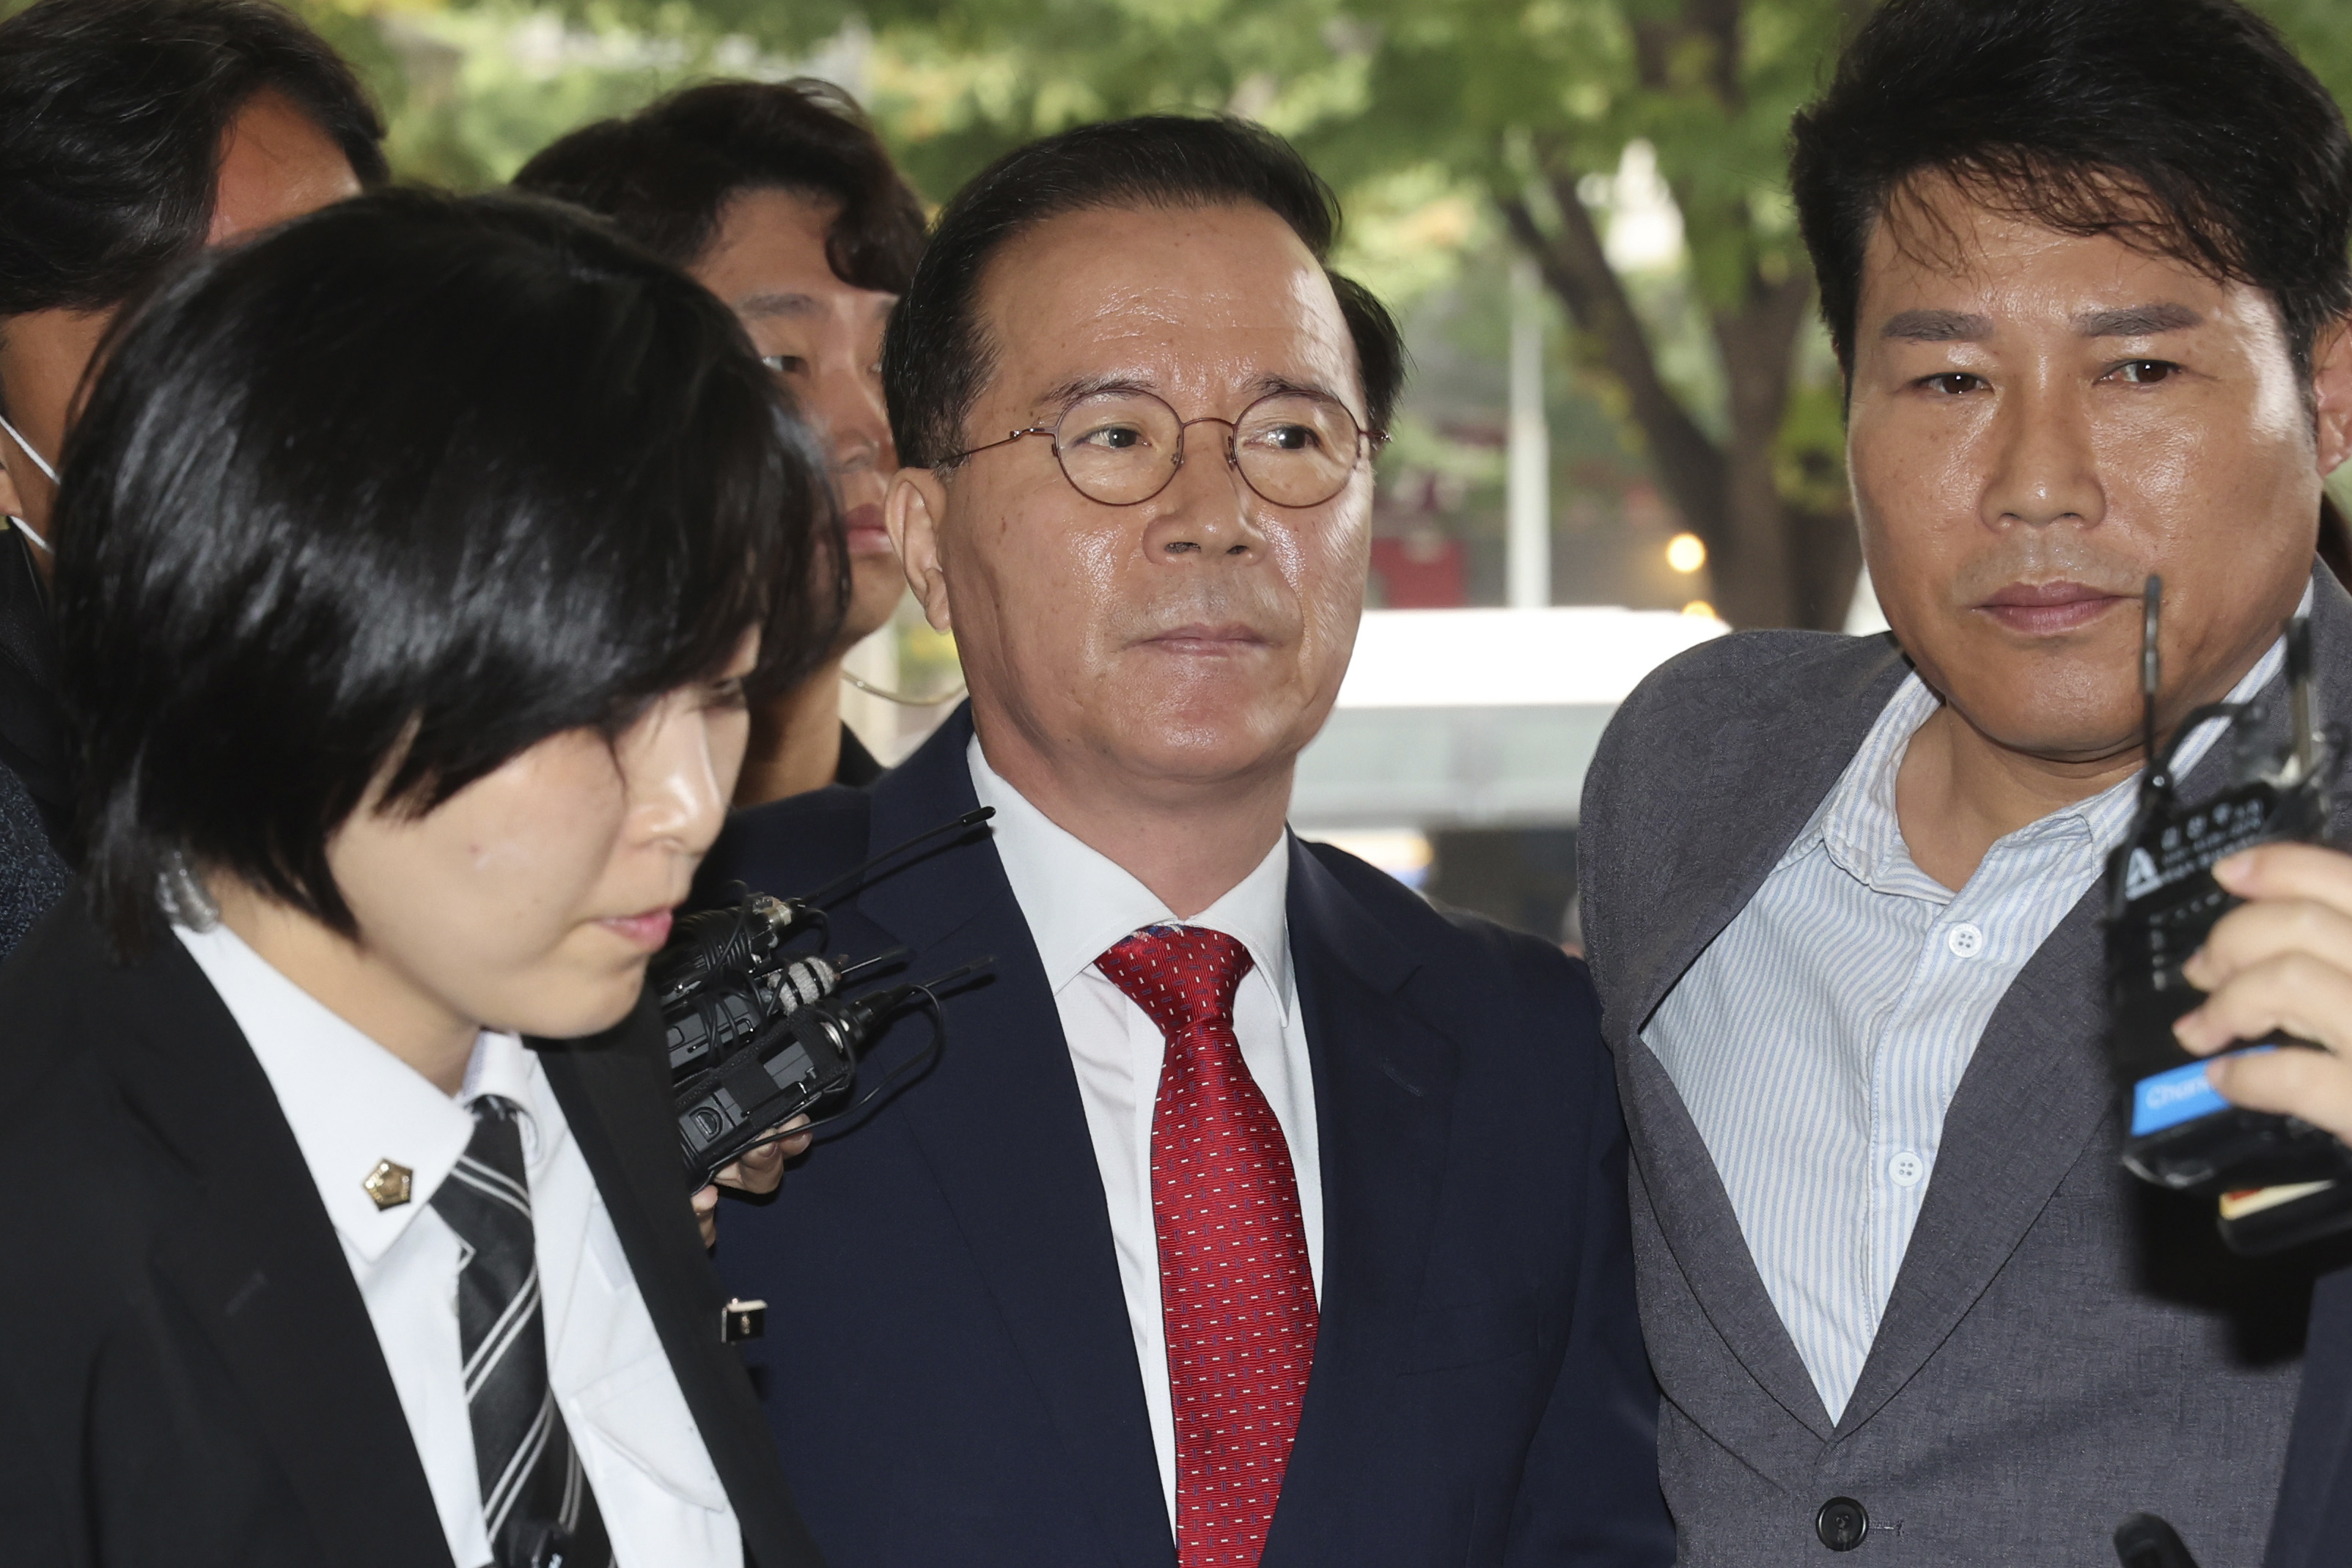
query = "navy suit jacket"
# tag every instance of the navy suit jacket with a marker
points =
(948, 1364)
(2313, 1527)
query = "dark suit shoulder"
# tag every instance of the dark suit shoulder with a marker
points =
(43, 987)
(786, 847)
(1678, 709)
(1783, 685)
(1717, 746)
(1754, 674)
(1474, 961)
(79, 1167)
(782, 821)
(1413, 919)
(32, 877)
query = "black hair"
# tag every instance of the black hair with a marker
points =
(390, 495)
(665, 175)
(936, 357)
(2184, 127)
(111, 113)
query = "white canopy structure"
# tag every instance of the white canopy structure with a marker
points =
(1479, 717)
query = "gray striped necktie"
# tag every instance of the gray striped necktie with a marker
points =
(535, 1499)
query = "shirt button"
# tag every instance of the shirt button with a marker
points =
(1905, 1169)
(1965, 940)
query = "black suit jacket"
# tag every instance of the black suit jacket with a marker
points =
(34, 744)
(2314, 1526)
(949, 1364)
(35, 783)
(188, 1377)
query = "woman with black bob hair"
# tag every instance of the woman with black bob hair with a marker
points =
(419, 555)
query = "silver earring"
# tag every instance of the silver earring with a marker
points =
(184, 898)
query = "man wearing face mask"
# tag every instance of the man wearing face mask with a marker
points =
(779, 198)
(131, 132)
(1254, 1211)
(2084, 265)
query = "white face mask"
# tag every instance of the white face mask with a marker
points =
(38, 462)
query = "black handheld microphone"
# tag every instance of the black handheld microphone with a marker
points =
(724, 974)
(809, 1054)
(756, 1032)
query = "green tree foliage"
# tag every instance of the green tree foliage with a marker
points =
(1527, 103)
(1524, 106)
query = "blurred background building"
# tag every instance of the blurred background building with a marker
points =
(1622, 430)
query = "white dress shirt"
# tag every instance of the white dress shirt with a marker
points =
(1819, 1038)
(351, 1104)
(1079, 903)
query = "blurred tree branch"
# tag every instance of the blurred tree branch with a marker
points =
(1531, 103)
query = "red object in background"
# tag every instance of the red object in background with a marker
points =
(1421, 571)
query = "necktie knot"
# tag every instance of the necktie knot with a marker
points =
(1182, 977)
(489, 1192)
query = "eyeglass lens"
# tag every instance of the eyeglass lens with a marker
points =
(1293, 448)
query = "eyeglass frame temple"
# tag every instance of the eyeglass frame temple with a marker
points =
(1379, 438)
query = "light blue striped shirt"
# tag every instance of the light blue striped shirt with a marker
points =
(1819, 1040)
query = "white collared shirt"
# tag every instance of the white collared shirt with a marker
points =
(1079, 903)
(1818, 1042)
(351, 1104)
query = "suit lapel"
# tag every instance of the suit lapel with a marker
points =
(615, 1092)
(2035, 1090)
(1672, 1168)
(1384, 1082)
(1776, 760)
(1779, 768)
(1001, 1124)
(258, 1266)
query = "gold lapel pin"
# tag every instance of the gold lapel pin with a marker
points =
(388, 1183)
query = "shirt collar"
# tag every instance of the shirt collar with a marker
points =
(1858, 827)
(1079, 903)
(502, 1065)
(1857, 824)
(351, 1103)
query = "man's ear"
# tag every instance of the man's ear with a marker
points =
(2331, 377)
(12, 505)
(911, 512)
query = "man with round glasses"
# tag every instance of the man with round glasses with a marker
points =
(1123, 446)
(1254, 1212)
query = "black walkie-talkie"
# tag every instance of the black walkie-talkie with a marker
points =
(2277, 1175)
(759, 1031)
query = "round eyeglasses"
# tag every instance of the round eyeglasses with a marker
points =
(1121, 448)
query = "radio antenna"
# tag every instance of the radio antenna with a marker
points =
(2151, 670)
(871, 869)
(2298, 675)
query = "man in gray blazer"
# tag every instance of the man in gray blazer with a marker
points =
(2084, 265)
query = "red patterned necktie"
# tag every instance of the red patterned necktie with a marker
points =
(1235, 1292)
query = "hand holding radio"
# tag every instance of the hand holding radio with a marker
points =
(2278, 1177)
(2280, 963)
(759, 1171)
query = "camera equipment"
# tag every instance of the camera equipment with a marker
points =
(2162, 901)
(2144, 1541)
(757, 1031)
(725, 977)
(724, 1111)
